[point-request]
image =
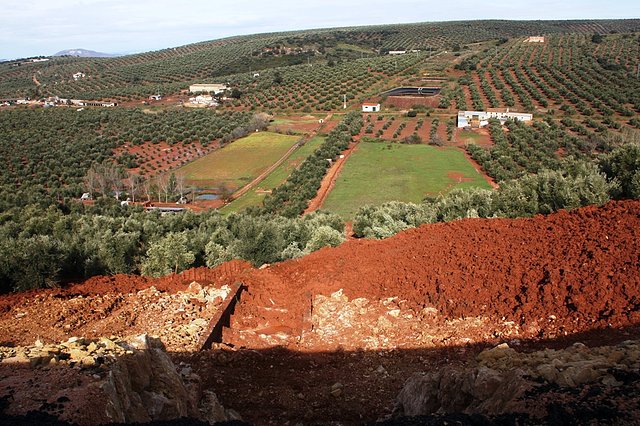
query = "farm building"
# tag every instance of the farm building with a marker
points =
(481, 118)
(535, 39)
(214, 88)
(370, 107)
(204, 100)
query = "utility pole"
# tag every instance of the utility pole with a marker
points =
(344, 106)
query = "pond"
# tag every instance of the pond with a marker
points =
(207, 197)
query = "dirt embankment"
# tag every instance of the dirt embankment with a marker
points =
(564, 273)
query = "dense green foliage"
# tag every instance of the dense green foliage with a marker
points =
(42, 247)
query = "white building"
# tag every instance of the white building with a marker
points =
(369, 107)
(535, 39)
(204, 100)
(481, 118)
(77, 76)
(213, 88)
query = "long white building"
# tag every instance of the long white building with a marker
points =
(213, 88)
(481, 118)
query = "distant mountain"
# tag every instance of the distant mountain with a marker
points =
(84, 53)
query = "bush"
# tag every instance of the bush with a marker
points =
(622, 168)
(324, 236)
(167, 255)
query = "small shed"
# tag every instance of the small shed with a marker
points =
(370, 107)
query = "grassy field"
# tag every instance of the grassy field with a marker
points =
(275, 178)
(295, 124)
(379, 172)
(238, 163)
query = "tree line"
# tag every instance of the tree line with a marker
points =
(41, 247)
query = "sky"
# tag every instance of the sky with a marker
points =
(44, 27)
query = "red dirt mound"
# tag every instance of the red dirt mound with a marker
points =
(551, 275)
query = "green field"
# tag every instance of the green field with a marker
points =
(379, 172)
(238, 163)
(275, 178)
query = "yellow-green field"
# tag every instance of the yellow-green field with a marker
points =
(296, 124)
(275, 178)
(379, 172)
(238, 163)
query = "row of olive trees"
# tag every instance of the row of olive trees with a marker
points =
(43, 247)
(292, 197)
(615, 176)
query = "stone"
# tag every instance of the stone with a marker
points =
(384, 322)
(336, 389)
(39, 360)
(195, 287)
(500, 351)
(88, 361)
(77, 354)
(210, 408)
(548, 372)
(339, 295)
(609, 380)
(394, 313)
(360, 302)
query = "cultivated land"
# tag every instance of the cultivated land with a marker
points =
(255, 196)
(379, 172)
(238, 163)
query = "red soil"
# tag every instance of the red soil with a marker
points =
(578, 270)
(573, 274)
(581, 266)
(406, 102)
(162, 156)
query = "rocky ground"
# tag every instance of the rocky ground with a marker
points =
(338, 335)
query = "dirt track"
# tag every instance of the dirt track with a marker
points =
(430, 296)
(329, 180)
